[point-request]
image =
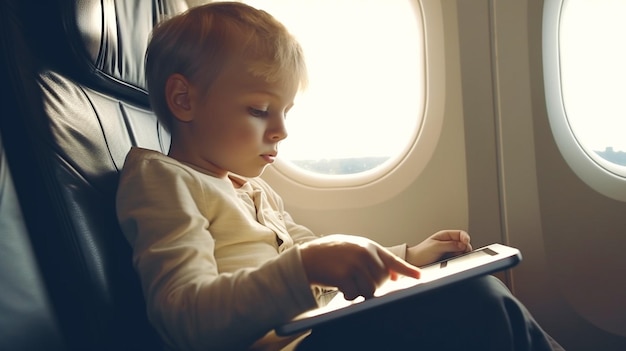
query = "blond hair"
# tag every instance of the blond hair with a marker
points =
(201, 41)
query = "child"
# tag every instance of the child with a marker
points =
(220, 261)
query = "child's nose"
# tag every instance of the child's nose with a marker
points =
(278, 131)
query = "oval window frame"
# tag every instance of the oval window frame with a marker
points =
(602, 176)
(305, 189)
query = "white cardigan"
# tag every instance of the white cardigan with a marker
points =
(219, 266)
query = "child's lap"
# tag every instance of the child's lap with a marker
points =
(450, 317)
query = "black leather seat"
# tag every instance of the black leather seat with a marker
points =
(75, 69)
(27, 319)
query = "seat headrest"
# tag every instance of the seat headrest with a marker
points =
(102, 43)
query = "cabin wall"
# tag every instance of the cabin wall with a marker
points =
(569, 234)
(497, 172)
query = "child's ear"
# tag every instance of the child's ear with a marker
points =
(177, 94)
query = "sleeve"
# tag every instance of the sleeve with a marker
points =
(399, 250)
(191, 304)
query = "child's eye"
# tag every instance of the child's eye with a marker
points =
(256, 112)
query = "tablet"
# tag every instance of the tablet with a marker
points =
(482, 261)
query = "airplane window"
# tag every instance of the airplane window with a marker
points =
(593, 75)
(585, 90)
(365, 98)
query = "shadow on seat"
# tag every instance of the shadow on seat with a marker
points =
(80, 104)
(27, 319)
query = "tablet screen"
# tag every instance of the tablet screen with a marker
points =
(481, 261)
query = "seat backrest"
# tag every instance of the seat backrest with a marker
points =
(27, 319)
(86, 107)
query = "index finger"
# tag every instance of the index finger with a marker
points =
(397, 265)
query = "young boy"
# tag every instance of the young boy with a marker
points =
(220, 261)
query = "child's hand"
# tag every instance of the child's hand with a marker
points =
(355, 265)
(445, 242)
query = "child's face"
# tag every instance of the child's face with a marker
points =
(237, 126)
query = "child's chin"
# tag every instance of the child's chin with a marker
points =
(253, 173)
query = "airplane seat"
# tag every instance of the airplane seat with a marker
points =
(27, 320)
(79, 104)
